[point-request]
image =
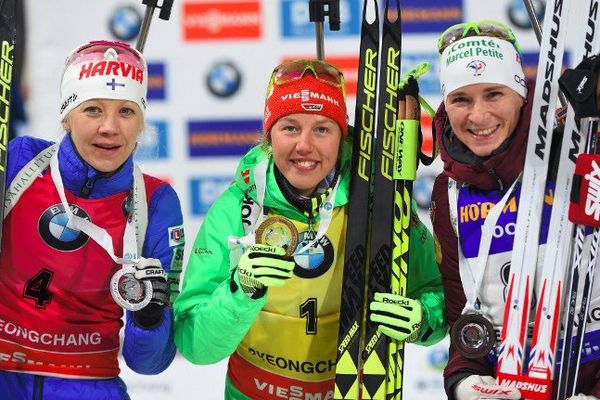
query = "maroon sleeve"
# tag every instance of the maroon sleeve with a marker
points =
(455, 299)
(589, 378)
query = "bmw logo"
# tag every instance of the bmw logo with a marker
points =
(422, 188)
(518, 16)
(315, 260)
(224, 79)
(125, 23)
(54, 229)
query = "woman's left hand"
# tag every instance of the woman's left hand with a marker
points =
(398, 317)
(583, 397)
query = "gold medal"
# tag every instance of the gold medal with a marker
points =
(278, 231)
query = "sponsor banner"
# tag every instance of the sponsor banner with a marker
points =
(219, 20)
(125, 22)
(223, 138)
(153, 144)
(430, 16)
(156, 81)
(295, 19)
(205, 190)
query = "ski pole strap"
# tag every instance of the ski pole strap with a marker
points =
(580, 84)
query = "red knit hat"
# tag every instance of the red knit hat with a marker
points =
(307, 95)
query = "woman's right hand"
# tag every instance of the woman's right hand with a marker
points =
(263, 266)
(477, 387)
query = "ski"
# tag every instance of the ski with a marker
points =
(379, 372)
(347, 377)
(571, 353)
(8, 33)
(405, 168)
(556, 258)
(512, 356)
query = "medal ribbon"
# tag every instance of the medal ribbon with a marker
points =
(473, 280)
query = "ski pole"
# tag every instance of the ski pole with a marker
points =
(537, 28)
(317, 15)
(165, 13)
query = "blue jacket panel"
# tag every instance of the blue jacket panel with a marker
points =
(146, 351)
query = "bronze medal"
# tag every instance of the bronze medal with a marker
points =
(278, 231)
(473, 335)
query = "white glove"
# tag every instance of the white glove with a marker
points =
(477, 387)
(583, 397)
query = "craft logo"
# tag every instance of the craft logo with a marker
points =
(215, 20)
(125, 23)
(212, 138)
(430, 16)
(54, 228)
(156, 81)
(205, 190)
(223, 79)
(295, 19)
(477, 67)
(153, 144)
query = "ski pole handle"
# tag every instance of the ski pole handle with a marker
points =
(165, 13)
(317, 15)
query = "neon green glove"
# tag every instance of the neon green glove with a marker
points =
(262, 266)
(398, 317)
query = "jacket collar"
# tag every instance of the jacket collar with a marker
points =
(75, 173)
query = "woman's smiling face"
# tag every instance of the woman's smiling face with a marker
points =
(483, 115)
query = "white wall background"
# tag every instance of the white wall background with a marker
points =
(55, 27)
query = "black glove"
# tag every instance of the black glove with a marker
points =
(580, 86)
(151, 316)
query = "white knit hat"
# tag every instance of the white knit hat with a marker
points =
(103, 70)
(481, 59)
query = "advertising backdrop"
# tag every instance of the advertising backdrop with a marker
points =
(208, 67)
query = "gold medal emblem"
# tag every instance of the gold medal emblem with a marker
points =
(279, 232)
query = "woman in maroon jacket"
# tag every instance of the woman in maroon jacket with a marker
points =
(482, 128)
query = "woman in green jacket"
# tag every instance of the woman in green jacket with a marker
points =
(263, 283)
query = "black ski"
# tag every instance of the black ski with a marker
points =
(347, 380)
(8, 33)
(379, 372)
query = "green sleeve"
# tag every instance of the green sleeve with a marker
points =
(425, 282)
(210, 320)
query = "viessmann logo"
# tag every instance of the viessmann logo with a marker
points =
(209, 20)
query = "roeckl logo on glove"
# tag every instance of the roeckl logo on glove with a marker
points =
(264, 249)
(489, 390)
(401, 302)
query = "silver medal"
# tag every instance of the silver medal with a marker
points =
(130, 293)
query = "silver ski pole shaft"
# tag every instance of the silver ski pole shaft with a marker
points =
(318, 10)
(320, 40)
(165, 13)
(537, 28)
